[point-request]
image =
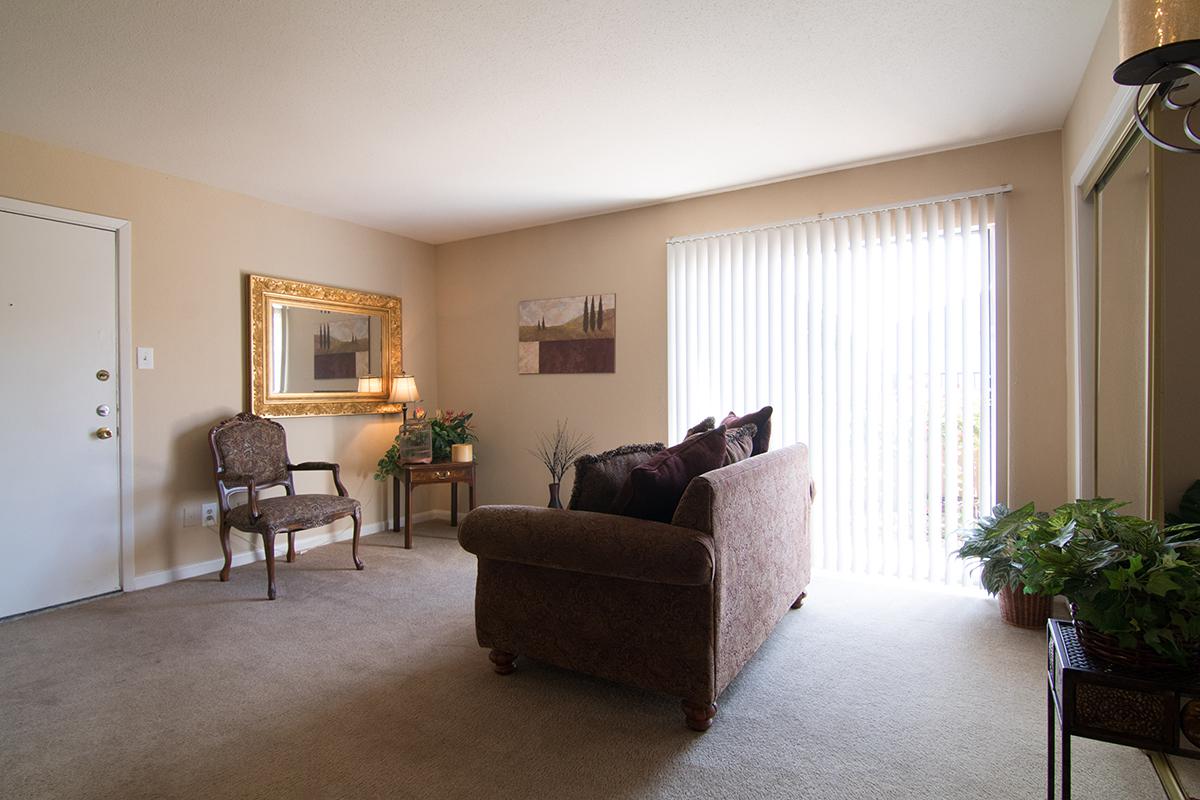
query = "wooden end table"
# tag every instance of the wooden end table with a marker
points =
(451, 472)
(1098, 703)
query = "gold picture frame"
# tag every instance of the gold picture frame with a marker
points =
(309, 345)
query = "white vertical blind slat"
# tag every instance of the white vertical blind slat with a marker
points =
(878, 338)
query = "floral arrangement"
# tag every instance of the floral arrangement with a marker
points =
(449, 427)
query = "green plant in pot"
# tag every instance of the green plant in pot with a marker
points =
(1000, 541)
(449, 428)
(1134, 586)
(446, 428)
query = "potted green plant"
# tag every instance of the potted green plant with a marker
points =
(446, 428)
(450, 428)
(1133, 585)
(1000, 541)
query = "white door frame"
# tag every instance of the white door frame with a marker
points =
(1109, 132)
(124, 419)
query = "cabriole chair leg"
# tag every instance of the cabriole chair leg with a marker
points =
(269, 547)
(226, 550)
(357, 515)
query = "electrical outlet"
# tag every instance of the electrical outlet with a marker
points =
(208, 515)
(191, 516)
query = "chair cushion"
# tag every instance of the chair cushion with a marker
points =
(739, 443)
(599, 478)
(295, 512)
(654, 488)
(761, 419)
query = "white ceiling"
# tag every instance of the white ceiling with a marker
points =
(449, 119)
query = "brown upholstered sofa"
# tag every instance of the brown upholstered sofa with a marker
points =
(677, 608)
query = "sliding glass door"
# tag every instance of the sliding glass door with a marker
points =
(874, 336)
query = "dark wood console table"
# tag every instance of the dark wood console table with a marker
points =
(1097, 703)
(450, 472)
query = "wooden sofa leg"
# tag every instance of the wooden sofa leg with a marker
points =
(502, 662)
(800, 600)
(699, 716)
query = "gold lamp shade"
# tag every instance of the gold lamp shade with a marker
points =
(404, 390)
(1155, 34)
(370, 384)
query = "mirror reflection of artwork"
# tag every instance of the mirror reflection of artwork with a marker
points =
(568, 334)
(317, 350)
(342, 347)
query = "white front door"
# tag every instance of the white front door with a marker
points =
(60, 534)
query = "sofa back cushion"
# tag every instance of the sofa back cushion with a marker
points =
(599, 478)
(654, 488)
(739, 444)
(761, 419)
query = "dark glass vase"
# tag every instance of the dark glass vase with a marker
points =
(554, 501)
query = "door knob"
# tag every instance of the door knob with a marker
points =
(103, 433)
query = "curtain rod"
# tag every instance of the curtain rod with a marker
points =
(843, 214)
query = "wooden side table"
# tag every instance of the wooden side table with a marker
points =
(449, 472)
(1097, 703)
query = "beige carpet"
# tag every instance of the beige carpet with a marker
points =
(360, 685)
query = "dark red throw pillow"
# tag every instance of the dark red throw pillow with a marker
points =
(654, 488)
(761, 419)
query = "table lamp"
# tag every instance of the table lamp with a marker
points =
(404, 391)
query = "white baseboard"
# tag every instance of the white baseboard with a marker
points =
(248, 557)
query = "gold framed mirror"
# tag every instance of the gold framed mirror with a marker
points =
(319, 350)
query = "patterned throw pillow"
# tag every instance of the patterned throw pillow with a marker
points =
(762, 419)
(654, 488)
(706, 424)
(599, 478)
(739, 443)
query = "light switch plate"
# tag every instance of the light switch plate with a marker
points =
(145, 357)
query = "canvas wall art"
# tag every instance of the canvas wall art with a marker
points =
(568, 335)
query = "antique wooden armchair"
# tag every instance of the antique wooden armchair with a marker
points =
(250, 453)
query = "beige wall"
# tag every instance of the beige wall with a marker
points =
(480, 282)
(1088, 114)
(192, 247)
(1094, 96)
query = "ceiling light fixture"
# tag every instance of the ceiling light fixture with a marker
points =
(1160, 48)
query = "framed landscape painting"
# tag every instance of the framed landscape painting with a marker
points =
(568, 335)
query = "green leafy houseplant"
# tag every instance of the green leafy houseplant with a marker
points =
(1128, 578)
(447, 428)
(998, 540)
(450, 427)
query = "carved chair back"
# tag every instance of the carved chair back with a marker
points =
(248, 449)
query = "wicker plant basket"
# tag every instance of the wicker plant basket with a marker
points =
(1105, 649)
(1024, 610)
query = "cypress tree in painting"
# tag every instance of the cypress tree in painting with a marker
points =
(587, 314)
(600, 315)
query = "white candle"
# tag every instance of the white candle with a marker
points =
(462, 453)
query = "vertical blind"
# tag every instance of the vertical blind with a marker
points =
(874, 335)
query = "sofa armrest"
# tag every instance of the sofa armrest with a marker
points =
(589, 542)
